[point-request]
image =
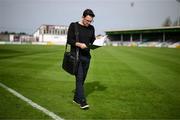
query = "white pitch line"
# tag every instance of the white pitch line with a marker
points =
(33, 104)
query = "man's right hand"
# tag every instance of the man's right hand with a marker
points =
(81, 45)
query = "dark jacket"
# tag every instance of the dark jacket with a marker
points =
(86, 35)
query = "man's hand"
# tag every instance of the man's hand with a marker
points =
(81, 45)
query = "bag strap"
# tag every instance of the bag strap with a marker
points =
(76, 30)
(77, 40)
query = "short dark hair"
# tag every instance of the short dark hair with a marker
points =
(88, 12)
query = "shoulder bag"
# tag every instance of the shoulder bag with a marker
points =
(70, 61)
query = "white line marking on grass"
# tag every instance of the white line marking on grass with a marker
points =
(33, 104)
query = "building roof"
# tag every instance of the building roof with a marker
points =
(50, 25)
(143, 30)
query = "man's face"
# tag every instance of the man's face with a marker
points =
(87, 20)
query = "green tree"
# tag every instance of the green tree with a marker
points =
(167, 22)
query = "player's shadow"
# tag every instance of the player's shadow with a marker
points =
(91, 87)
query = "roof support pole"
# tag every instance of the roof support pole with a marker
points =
(131, 38)
(42, 37)
(121, 39)
(140, 37)
(164, 36)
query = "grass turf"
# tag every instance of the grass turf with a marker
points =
(123, 82)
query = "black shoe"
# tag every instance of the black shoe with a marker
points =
(84, 105)
(76, 102)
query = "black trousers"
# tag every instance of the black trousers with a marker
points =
(83, 67)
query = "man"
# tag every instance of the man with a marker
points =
(86, 38)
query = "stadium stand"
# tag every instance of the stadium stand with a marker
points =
(147, 37)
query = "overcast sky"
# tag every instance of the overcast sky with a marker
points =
(28, 15)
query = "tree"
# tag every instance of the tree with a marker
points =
(22, 33)
(177, 22)
(167, 22)
(6, 32)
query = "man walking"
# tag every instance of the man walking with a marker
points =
(86, 38)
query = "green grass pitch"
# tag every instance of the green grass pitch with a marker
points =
(123, 83)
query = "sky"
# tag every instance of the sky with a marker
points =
(28, 15)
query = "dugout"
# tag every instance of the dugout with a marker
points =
(161, 34)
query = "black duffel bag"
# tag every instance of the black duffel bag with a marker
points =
(70, 60)
(70, 63)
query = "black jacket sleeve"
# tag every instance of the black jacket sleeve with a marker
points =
(71, 39)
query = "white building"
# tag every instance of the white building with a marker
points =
(52, 34)
(21, 38)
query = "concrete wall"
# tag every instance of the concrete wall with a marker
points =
(4, 37)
